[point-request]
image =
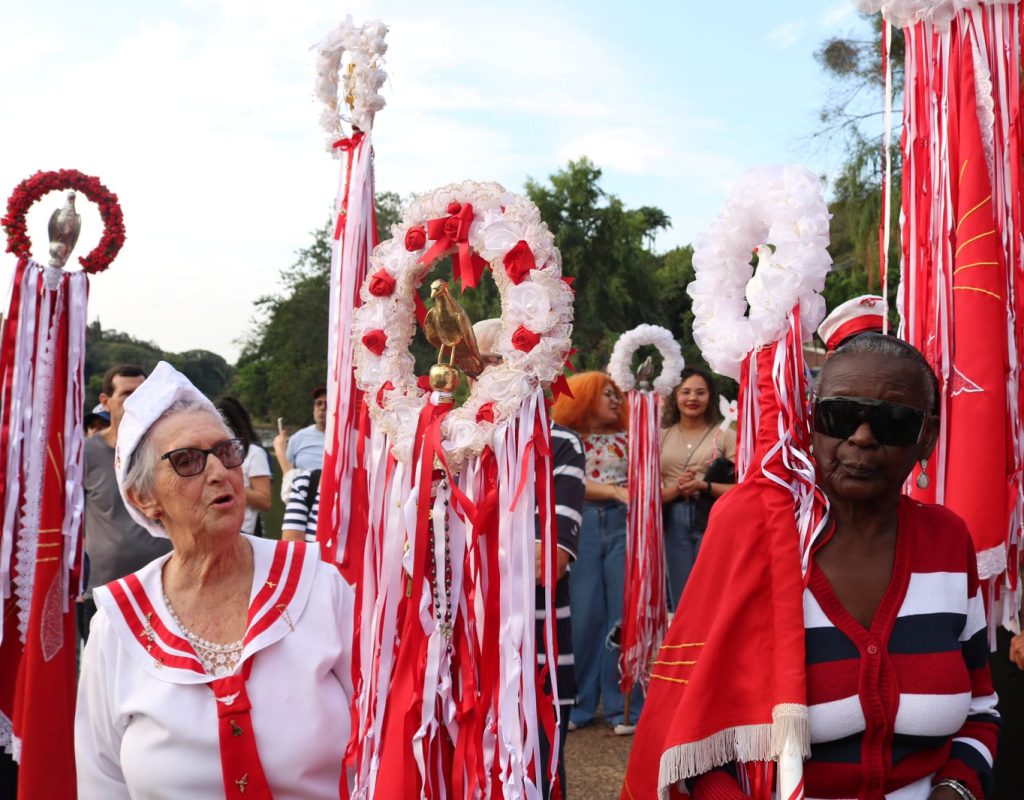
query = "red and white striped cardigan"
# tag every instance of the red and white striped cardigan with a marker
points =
(908, 702)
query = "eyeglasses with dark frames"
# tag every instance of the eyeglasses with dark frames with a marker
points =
(191, 461)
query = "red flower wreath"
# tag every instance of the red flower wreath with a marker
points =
(32, 189)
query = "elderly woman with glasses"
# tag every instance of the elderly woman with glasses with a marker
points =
(898, 686)
(222, 668)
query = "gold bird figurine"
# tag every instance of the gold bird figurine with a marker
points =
(448, 326)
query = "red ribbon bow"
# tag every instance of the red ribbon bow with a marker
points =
(349, 142)
(453, 231)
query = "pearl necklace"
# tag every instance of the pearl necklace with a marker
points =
(218, 659)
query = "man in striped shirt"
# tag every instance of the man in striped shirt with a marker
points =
(568, 463)
(299, 524)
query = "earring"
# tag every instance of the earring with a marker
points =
(922, 478)
(156, 514)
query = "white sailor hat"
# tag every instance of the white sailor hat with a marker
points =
(858, 315)
(162, 389)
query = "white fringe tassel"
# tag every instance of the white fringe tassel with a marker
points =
(744, 743)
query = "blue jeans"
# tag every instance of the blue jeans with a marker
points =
(596, 583)
(682, 542)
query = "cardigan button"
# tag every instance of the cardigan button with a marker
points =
(872, 650)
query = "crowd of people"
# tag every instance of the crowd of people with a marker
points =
(191, 607)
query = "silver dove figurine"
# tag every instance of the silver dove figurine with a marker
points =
(65, 225)
(644, 375)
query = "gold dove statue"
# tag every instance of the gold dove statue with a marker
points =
(448, 327)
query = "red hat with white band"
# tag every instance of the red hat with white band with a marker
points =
(859, 315)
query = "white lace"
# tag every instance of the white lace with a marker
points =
(218, 659)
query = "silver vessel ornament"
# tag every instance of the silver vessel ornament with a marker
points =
(65, 225)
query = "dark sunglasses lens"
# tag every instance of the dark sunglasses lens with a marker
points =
(231, 453)
(896, 425)
(891, 423)
(837, 418)
(188, 462)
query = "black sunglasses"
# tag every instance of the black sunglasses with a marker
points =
(189, 461)
(891, 423)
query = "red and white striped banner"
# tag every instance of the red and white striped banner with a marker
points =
(41, 497)
(355, 236)
(961, 298)
(644, 611)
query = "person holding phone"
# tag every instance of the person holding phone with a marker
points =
(305, 449)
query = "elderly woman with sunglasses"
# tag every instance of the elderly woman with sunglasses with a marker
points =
(222, 668)
(900, 698)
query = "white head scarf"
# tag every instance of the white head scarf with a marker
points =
(162, 389)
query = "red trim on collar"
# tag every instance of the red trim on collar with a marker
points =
(143, 629)
(146, 625)
(291, 584)
(273, 579)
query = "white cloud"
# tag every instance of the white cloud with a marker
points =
(786, 34)
(201, 116)
(838, 14)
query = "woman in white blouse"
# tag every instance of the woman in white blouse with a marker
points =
(223, 668)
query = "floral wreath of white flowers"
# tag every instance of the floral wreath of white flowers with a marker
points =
(672, 361)
(351, 93)
(779, 214)
(904, 13)
(484, 225)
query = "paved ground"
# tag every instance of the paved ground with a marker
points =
(595, 761)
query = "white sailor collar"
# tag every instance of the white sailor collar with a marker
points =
(283, 574)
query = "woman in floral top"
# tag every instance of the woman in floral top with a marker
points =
(597, 411)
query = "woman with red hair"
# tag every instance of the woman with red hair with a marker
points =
(597, 412)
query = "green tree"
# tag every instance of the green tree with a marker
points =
(604, 247)
(856, 98)
(210, 373)
(285, 355)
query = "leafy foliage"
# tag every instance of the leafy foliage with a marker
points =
(855, 67)
(606, 247)
(210, 373)
(603, 248)
(285, 355)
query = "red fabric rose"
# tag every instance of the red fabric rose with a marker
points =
(415, 238)
(519, 261)
(453, 228)
(454, 208)
(486, 413)
(423, 381)
(375, 341)
(381, 284)
(524, 339)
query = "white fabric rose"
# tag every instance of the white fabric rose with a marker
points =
(528, 304)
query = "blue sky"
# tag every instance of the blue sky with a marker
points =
(200, 114)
